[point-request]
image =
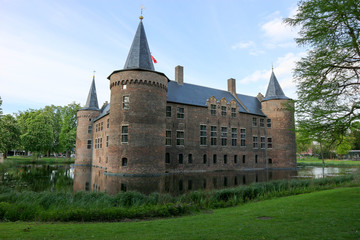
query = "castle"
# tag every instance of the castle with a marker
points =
(154, 125)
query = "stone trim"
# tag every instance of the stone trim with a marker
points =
(137, 81)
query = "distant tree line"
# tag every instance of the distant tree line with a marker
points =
(51, 129)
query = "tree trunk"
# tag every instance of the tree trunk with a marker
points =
(67, 154)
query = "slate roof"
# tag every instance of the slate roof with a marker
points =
(198, 95)
(104, 111)
(274, 90)
(92, 101)
(139, 54)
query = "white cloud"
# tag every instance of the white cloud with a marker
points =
(241, 45)
(283, 69)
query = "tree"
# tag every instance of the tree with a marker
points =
(55, 114)
(328, 78)
(68, 130)
(0, 107)
(38, 136)
(9, 134)
(343, 147)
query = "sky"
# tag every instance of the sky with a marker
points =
(50, 48)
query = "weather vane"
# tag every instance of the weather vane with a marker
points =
(142, 8)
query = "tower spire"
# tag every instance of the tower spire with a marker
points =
(139, 55)
(274, 90)
(92, 102)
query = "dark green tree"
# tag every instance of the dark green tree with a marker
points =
(68, 129)
(38, 136)
(328, 77)
(0, 107)
(9, 134)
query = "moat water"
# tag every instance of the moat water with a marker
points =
(38, 177)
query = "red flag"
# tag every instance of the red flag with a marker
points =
(154, 60)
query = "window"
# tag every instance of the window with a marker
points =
(102, 124)
(89, 119)
(96, 127)
(223, 136)
(124, 86)
(235, 159)
(107, 141)
(269, 145)
(167, 158)
(270, 161)
(203, 135)
(213, 136)
(181, 158)
(126, 102)
(168, 111)
(262, 142)
(213, 110)
(96, 142)
(180, 112)
(100, 142)
(233, 112)
(233, 136)
(180, 138)
(223, 110)
(124, 134)
(268, 123)
(242, 137)
(89, 144)
(254, 122)
(214, 158)
(124, 162)
(225, 159)
(262, 122)
(90, 129)
(256, 158)
(255, 142)
(204, 158)
(190, 160)
(168, 138)
(243, 158)
(108, 123)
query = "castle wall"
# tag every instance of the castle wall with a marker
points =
(137, 122)
(101, 141)
(228, 157)
(84, 136)
(283, 151)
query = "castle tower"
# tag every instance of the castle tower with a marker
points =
(137, 117)
(280, 131)
(85, 128)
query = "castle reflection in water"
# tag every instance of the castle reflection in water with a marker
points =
(95, 179)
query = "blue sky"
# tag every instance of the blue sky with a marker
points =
(50, 48)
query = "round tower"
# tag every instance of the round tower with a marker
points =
(137, 113)
(85, 128)
(281, 146)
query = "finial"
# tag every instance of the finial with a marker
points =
(141, 16)
(94, 74)
(272, 66)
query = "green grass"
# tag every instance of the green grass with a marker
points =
(313, 161)
(43, 160)
(331, 214)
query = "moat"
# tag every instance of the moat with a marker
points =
(37, 177)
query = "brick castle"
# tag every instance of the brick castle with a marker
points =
(154, 125)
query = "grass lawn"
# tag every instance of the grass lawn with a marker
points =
(43, 160)
(313, 161)
(330, 214)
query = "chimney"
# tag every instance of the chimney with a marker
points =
(179, 74)
(232, 86)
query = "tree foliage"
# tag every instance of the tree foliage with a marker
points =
(0, 107)
(67, 135)
(9, 134)
(328, 77)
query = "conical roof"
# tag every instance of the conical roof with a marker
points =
(139, 54)
(274, 90)
(92, 102)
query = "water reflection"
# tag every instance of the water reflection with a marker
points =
(94, 179)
